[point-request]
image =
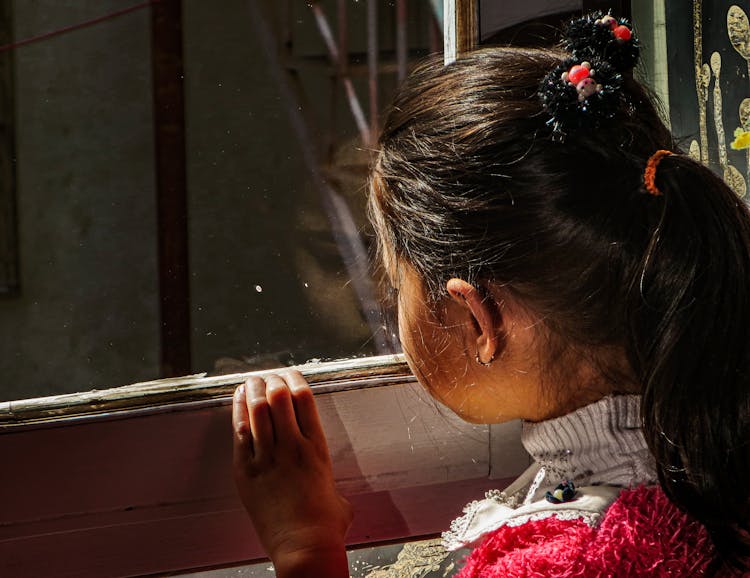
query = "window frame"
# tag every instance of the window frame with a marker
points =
(136, 480)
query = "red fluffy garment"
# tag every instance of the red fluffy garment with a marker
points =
(642, 534)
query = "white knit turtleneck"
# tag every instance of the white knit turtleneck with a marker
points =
(598, 447)
(601, 443)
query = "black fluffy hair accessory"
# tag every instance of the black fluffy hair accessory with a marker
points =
(605, 37)
(587, 102)
(585, 91)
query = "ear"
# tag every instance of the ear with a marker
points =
(486, 319)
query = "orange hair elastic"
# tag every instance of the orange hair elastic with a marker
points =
(649, 176)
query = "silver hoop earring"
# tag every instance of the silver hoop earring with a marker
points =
(484, 363)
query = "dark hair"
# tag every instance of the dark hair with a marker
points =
(469, 182)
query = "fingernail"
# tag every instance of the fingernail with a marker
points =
(239, 393)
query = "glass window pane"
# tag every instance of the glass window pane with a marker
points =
(269, 157)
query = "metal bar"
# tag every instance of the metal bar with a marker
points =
(372, 65)
(171, 186)
(333, 51)
(197, 391)
(343, 38)
(356, 108)
(342, 71)
(402, 43)
(325, 31)
(9, 258)
(336, 80)
(285, 51)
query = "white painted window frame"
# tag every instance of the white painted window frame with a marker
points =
(460, 28)
(136, 480)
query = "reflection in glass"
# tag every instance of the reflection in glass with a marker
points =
(274, 160)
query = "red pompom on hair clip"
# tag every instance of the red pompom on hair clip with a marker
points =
(621, 32)
(582, 77)
(649, 175)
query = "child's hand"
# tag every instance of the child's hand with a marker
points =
(282, 469)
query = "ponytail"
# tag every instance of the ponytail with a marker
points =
(689, 343)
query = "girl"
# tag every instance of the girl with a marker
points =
(557, 260)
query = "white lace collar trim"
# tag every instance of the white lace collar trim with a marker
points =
(484, 516)
(599, 447)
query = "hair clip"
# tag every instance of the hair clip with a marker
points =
(582, 77)
(580, 95)
(603, 36)
(586, 90)
(621, 32)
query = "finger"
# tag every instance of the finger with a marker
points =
(261, 425)
(243, 439)
(304, 406)
(282, 409)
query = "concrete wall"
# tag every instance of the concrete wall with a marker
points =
(86, 315)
